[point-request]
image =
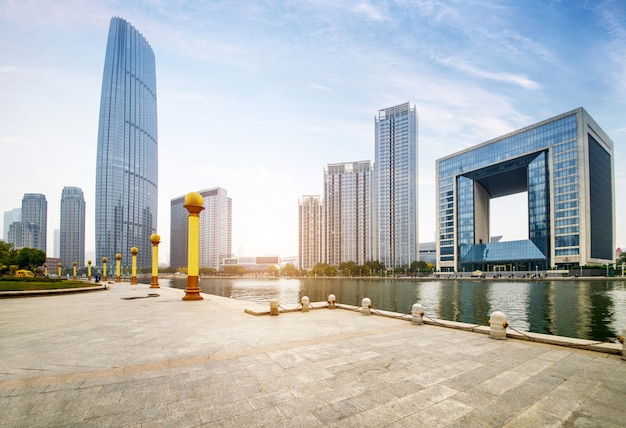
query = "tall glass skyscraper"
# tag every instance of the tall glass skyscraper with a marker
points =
(72, 235)
(347, 213)
(396, 186)
(127, 157)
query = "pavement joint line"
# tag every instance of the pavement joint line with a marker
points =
(188, 361)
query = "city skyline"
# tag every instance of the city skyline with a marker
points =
(258, 97)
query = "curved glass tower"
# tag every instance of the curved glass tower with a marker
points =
(127, 159)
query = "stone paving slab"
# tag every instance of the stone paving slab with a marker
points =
(121, 358)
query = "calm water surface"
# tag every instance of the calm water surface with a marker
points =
(584, 309)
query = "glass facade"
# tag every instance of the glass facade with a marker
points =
(347, 213)
(550, 161)
(72, 233)
(395, 169)
(127, 153)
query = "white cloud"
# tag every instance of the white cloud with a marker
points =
(506, 77)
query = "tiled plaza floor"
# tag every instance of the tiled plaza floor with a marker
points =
(120, 358)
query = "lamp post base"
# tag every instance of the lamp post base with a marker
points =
(192, 292)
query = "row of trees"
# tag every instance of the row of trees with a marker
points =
(351, 269)
(24, 258)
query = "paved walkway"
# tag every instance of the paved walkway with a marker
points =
(120, 358)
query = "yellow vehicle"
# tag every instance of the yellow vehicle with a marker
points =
(24, 273)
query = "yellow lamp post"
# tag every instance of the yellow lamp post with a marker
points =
(104, 269)
(133, 277)
(59, 270)
(74, 271)
(193, 204)
(45, 269)
(88, 270)
(118, 259)
(155, 239)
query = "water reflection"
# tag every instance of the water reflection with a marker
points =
(584, 309)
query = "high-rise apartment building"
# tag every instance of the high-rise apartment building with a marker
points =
(396, 186)
(127, 154)
(310, 220)
(72, 234)
(34, 222)
(564, 165)
(215, 229)
(348, 213)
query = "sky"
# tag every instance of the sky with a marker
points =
(258, 97)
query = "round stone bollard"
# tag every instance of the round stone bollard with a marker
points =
(273, 306)
(332, 300)
(305, 303)
(417, 314)
(498, 325)
(366, 306)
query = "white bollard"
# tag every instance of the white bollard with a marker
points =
(498, 325)
(273, 306)
(417, 312)
(366, 306)
(305, 304)
(332, 300)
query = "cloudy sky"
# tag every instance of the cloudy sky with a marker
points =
(259, 96)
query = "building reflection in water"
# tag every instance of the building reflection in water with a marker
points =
(584, 309)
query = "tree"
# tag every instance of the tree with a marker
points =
(324, 269)
(30, 258)
(374, 267)
(348, 268)
(289, 270)
(7, 256)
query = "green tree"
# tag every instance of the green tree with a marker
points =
(348, 268)
(7, 256)
(374, 267)
(324, 269)
(289, 270)
(30, 258)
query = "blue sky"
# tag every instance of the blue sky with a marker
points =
(258, 97)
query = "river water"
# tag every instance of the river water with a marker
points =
(593, 310)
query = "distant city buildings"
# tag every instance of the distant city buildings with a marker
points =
(565, 164)
(396, 210)
(347, 221)
(127, 153)
(310, 219)
(215, 229)
(369, 213)
(31, 231)
(10, 217)
(72, 232)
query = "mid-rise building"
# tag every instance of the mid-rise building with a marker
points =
(396, 213)
(564, 164)
(347, 213)
(72, 232)
(310, 220)
(34, 221)
(10, 217)
(127, 154)
(215, 229)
